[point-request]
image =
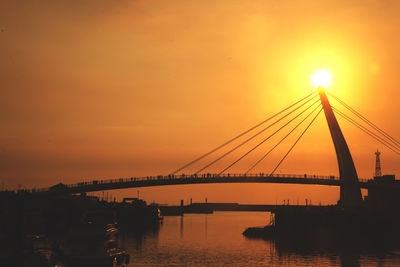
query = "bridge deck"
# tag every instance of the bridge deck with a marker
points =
(121, 183)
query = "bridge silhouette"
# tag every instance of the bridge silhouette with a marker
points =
(348, 181)
(209, 178)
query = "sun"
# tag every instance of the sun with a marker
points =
(321, 78)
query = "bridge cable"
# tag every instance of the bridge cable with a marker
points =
(266, 154)
(263, 141)
(238, 136)
(393, 140)
(280, 162)
(258, 133)
(367, 131)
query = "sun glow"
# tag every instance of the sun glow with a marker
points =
(321, 78)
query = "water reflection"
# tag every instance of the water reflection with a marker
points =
(181, 226)
(350, 250)
(205, 225)
(137, 238)
(216, 240)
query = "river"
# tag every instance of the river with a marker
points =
(217, 240)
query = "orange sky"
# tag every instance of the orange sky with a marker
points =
(108, 89)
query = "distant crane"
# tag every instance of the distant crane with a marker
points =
(378, 171)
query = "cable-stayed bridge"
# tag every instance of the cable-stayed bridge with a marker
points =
(296, 118)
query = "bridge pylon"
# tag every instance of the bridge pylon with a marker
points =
(350, 192)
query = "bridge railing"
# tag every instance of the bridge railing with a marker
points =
(189, 176)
